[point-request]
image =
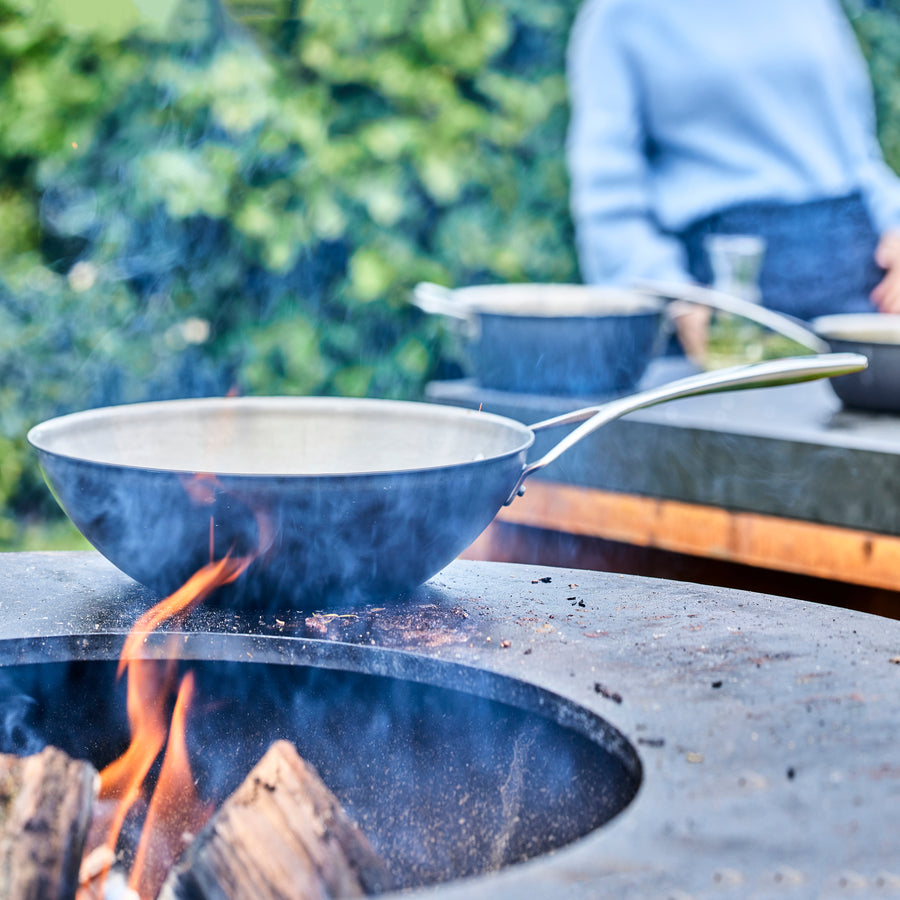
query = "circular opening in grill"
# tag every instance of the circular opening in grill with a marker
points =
(450, 771)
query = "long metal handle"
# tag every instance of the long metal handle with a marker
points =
(765, 374)
(702, 296)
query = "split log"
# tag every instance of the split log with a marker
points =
(282, 833)
(45, 812)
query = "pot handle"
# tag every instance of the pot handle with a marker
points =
(770, 373)
(703, 296)
(438, 300)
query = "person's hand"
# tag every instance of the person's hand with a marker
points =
(886, 294)
(692, 327)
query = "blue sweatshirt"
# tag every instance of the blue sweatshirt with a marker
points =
(682, 108)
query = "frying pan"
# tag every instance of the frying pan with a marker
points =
(338, 500)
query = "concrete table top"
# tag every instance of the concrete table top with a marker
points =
(790, 451)
(767, 728)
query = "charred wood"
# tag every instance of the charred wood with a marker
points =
(46, 802)
(282, 833)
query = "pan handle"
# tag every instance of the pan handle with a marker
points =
(702, 296)
(764, 374)
(438, 300)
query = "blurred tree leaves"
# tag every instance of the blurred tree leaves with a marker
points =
(243, 197)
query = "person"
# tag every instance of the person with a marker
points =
(755, 117)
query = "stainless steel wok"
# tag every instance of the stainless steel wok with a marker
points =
(579, 339)
(339, 500)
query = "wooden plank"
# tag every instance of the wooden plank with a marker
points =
(281, 834)
(45, 811)
(787, 545)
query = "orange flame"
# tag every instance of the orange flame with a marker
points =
(201, 488)
(185, 600)
(148, 689)
(151, 683)
(175, 812)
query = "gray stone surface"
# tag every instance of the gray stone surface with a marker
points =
(789, 451)
(768, 728)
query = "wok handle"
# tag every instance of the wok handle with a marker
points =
(764, 374)
(702, 296)
(438, 300)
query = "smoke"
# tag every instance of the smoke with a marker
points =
(18, 734)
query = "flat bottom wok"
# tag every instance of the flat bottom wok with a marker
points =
(336, 500)
(341, 499)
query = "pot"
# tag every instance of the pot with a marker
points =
(874, 335)
(566, 339)
(877, 337)
(337, 500)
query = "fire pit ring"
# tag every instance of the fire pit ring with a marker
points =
(450, 770)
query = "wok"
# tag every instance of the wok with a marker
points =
(339, 500)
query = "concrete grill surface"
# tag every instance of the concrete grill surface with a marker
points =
(768, 729)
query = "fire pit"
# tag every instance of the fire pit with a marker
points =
(445, 782)
(761, 731)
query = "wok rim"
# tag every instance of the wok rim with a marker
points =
(594, 301)
(53, 425)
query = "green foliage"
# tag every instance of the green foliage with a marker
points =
(245, 200)
(878, 30)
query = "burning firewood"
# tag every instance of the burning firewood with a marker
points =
(282, 833)
(45, 812)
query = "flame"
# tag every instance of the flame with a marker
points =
(201, 488)
(175, 813)
(174, 807)
(177, 606)
(123, 779)
(175, 810)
